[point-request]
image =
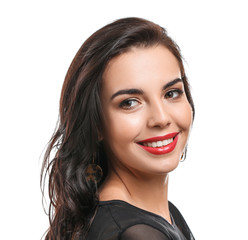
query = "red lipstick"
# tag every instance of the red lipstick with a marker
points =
(161, 150)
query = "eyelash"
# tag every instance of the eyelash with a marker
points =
(178, 91)
(126, 103)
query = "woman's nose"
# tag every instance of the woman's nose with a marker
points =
(158, 116)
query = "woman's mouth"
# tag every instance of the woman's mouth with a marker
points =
(160, 145)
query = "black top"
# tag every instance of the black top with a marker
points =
(119, 220)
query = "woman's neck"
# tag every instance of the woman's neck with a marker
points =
(143, 191)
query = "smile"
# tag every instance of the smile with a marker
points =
(160, 145)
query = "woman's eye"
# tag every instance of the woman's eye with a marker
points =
(128, 104)
(173, 94)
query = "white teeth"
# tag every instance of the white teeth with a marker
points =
(166, 142)
(154, 144)
(158, 143)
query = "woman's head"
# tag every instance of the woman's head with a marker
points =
(80, 105)
(147, 116)
(81, 123)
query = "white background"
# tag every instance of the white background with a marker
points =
(39, 40)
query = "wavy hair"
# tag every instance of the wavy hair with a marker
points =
(75, 143)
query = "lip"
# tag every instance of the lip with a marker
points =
(160, 138)
(161, 150)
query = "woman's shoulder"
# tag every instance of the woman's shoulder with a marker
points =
(125, 214)
(117, 219)
(104, 225)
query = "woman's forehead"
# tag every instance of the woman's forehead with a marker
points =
(141, 65)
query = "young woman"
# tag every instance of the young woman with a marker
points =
(125, 117)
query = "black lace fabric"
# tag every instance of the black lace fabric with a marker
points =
(142, 231)
(119, 220)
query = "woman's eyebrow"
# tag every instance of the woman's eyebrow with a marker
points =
(140, 92)
(171, 83)
(127, 91)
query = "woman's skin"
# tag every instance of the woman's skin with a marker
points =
(135, 175)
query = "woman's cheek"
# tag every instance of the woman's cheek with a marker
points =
(124, 124)
(183, 115)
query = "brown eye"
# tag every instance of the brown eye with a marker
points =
(174, 94)
(128, 104)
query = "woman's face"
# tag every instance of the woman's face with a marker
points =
(147, 117)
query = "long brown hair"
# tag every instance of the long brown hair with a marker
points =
(73, 200)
